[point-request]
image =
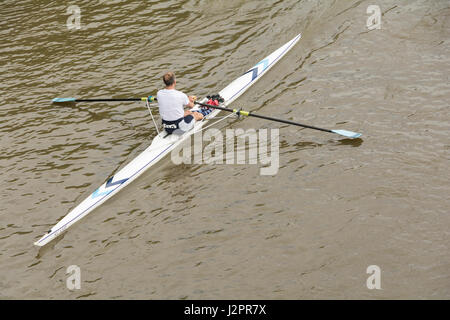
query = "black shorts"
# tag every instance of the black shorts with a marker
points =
(184, 124)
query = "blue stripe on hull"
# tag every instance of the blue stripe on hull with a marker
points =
(108, 184)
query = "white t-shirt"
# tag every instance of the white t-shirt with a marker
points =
(171, 103)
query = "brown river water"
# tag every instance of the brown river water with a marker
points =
(335, 207)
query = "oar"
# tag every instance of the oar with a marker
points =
(59, 100)
(345, 133)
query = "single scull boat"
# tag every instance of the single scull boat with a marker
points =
(162, 145)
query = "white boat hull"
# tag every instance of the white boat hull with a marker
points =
(161, 146)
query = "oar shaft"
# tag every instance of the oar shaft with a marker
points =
(106, 100)
(287, 122)
(246, 113)
(62, 100)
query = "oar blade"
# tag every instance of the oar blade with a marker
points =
(56, 100)
(348, 134)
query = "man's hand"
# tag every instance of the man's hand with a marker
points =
(191, 101)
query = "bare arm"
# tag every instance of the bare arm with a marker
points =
(191, 101)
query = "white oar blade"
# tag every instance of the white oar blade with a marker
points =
(63, 100)
(348, 134)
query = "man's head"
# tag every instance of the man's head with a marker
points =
(169, 78)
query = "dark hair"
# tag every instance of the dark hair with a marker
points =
(169, 78)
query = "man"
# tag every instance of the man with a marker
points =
(171, 107)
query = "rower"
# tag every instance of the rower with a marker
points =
(171, 107)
